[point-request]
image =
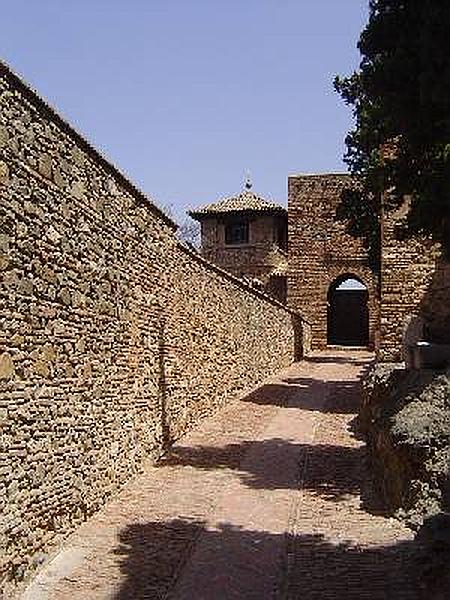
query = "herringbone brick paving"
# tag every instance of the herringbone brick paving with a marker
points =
(266, 499)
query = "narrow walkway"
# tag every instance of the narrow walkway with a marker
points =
(262, 501)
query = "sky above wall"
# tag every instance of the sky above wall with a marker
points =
(185, 95)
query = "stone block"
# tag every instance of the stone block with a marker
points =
(6, 366)
(4, 173)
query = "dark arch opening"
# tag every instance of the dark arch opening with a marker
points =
(348, 313)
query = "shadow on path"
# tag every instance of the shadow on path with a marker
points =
(306, 393)
(333, 471)
(153, 555)
(230, 562)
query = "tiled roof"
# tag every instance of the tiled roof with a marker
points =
(245, 201)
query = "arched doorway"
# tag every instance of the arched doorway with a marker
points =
(348, 313)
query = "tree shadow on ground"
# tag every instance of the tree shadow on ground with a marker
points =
(231, 562)
(306, 393)
(315, 394)
(332, 472)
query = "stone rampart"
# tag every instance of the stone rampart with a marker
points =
(115, 337)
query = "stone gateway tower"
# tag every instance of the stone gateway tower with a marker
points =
(326, 275)
(329, 277)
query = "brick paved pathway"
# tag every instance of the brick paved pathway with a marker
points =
(263, 500)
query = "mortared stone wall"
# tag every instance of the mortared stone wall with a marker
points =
(115, 337)
(415, 290)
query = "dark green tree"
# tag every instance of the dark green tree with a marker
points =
(400, 98)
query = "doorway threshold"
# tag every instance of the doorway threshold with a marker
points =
(350, 348)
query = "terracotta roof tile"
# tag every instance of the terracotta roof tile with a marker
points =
(245, 201)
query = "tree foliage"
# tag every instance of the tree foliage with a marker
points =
(401, 103)
(189, 232)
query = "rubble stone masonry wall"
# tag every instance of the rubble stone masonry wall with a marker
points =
(115, 338)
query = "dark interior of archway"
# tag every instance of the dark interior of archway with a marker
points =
(348, 317)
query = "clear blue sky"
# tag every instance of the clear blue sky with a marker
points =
(184, 95)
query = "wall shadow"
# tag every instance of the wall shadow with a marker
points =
(153, 554)
(315, 394)
(334, 471)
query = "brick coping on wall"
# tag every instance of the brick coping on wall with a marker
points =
(51, 113)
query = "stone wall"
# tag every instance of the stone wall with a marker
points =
(415, 290)
(405, 418)
(435, 305)
(320, 251)
(115, 337)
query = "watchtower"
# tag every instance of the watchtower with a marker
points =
(246, 235)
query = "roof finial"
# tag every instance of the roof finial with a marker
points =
(248, 181)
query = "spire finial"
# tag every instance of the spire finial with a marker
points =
(248, 181)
